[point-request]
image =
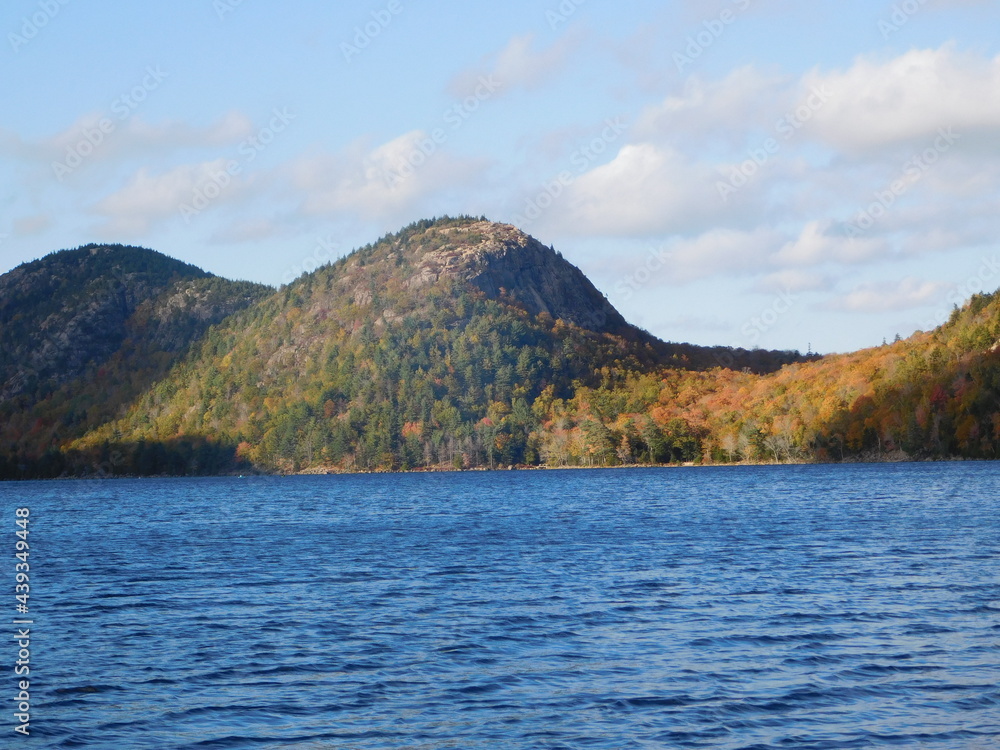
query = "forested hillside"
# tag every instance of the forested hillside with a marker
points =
(459, 343)
(85, 332)
(934, 395)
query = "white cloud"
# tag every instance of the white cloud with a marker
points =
(228, 129)
(884, 296)
(149, 199)
(133, 137)
(518, 65)
(720, 252)
(654, 187)
(787, 225)
(872, 104)
(943, 238)
(645, 190)
(794, 280)
(907, 99)
(746, 98)
(818, 244)
(780, 262)
(387, 182)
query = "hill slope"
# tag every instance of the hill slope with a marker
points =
(426, 348)
(462, 343)
(84, 331)
(68, 311)
(935, 395)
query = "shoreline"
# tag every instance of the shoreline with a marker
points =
(327, 471)
(685, 465)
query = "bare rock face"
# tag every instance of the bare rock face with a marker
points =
(508, 265)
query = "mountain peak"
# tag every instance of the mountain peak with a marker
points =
(502, 262)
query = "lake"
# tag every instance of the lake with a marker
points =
(848, 606)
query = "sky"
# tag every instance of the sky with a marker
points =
(769, 173)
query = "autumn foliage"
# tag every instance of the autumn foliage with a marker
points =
(371, 364)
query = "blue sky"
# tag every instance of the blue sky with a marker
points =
(740, 172)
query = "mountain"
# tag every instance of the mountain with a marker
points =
(61, 315)
(84, 331)
(425, 348)
(504, 264)
(454, 342)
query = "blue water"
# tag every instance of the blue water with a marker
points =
(771, 607)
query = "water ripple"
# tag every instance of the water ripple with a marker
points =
(733, 608)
